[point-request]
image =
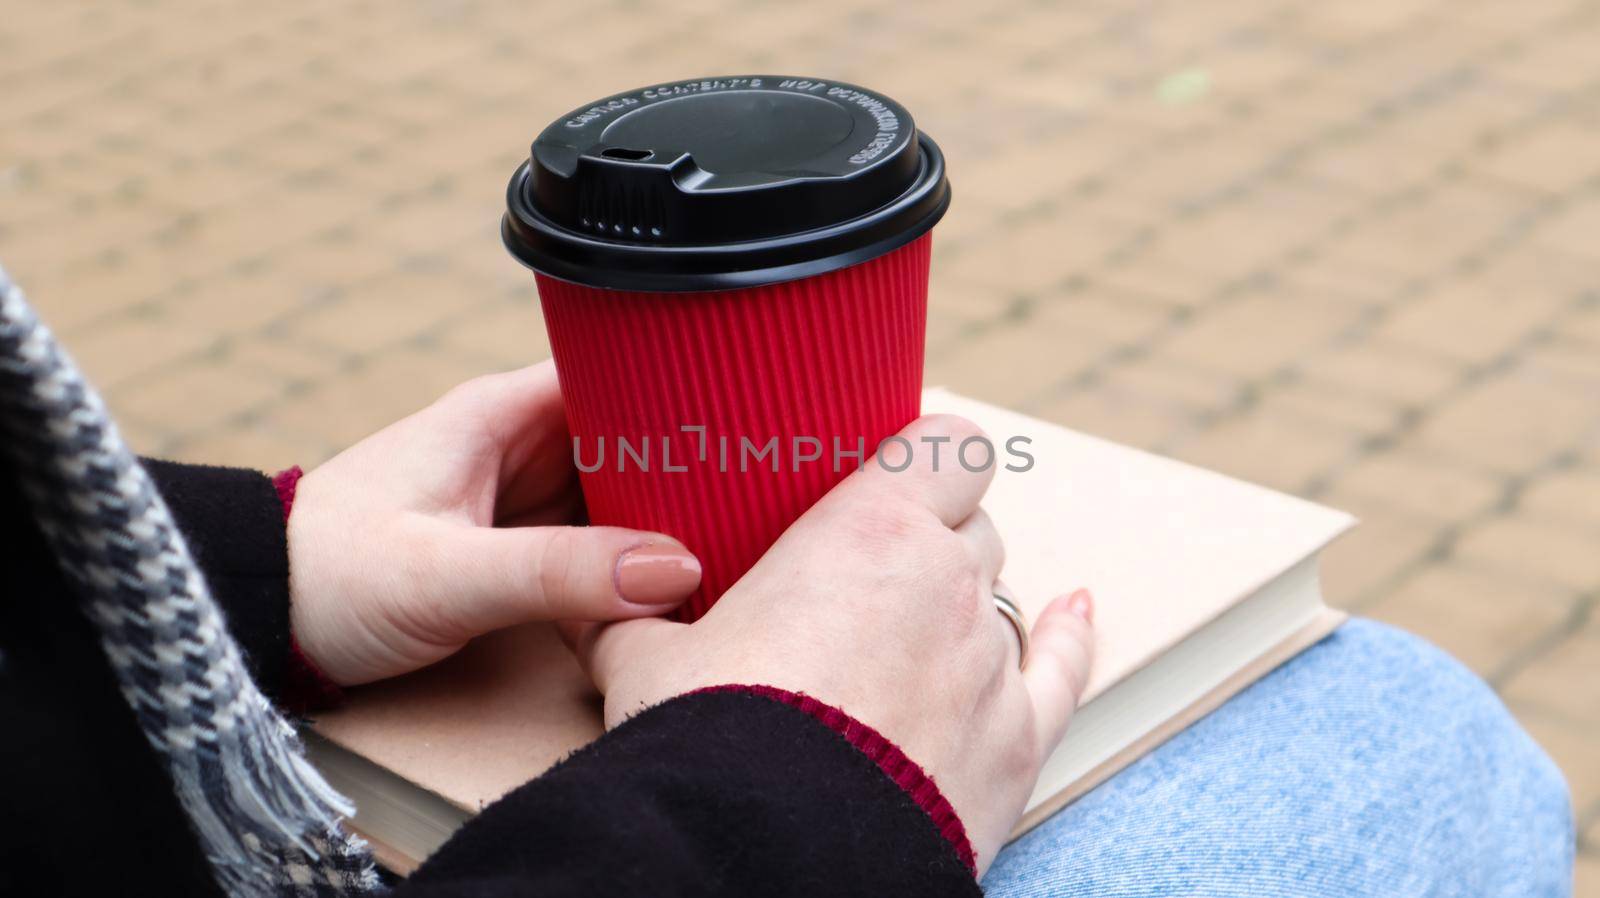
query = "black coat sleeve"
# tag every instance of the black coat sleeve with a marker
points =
(233, 522)
(708, 794)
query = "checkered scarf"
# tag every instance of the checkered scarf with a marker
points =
(267, 821)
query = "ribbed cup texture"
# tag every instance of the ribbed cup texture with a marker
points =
(833, 357)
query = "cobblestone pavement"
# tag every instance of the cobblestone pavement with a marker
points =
(1350, 250)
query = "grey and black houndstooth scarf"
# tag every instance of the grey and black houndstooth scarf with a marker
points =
(268, 823)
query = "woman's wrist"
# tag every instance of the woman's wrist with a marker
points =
(306, 688)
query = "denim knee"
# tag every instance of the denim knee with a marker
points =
(1372, 763)
(1421, 688)
(1451, 740)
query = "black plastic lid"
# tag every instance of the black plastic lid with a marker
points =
(721, 183)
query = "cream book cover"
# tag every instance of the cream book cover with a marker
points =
(1202, 583)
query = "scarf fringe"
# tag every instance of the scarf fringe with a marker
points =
(266, 819)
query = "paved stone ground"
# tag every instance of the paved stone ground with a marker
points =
(1350, 250)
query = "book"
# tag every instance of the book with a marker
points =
(1202, 585)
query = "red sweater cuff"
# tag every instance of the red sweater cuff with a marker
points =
(894, 763)
(305, 687)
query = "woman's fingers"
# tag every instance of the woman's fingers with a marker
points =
(1062, 647)
(987, 548)
(497, 577)
(606, 649)
(505, 403)
(923, 465)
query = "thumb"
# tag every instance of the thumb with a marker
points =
(502, 576)
(1062, 647)
(604, 649)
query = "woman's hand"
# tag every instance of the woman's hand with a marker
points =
(879, 601)
(452, 523)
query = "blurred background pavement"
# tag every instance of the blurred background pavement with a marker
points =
(1349, 250)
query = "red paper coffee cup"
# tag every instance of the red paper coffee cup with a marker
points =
(734, 277)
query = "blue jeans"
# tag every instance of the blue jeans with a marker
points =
(1372, 764)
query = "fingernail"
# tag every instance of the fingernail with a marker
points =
(656, 574)
(1081, 603)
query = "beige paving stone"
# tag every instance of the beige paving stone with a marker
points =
(1151, 277)
(308, 144)
(292, 362)
(1330, 272)
(1124, 417)
(1331, 408)
(507, 335)
(1027, 173)
(1468, 322)
(1441, 114)
(1363, 19)
(1186, 172)
(1432, 233)
(335, 259)
(251, 445)
(969, 302)
(79, 297)
(945, 333)
(282, 218)
(1560, 60)
(1556, 158)
(978, 220)
(1271, 450)
(1567, 367)
(1567, 497)
(1493, 620)
(1258, 334)
(1038, 362)
(236, 304)
(1281, 215)
(1572, 230)
(143, 440)
(1566, 680)
(1353, 157)
(1532, 266)
(1056, 91)
(1584, 330)
(1108, 320)
(341, 411)
(131, 347)
(193, 398)
(1378, 369)
(1424, 486)
(487, 262)
(1364, 563)
(385, 312)
(193, 185)
(90, 226)
(1254, 68)
(1227, 245)
(1522, 18)
(1037, 256)
(1510, 423)
(1533, 547)
(1586, 876)
(1165, 380)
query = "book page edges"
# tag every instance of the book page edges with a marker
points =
(1326, 621)
(388, 857)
